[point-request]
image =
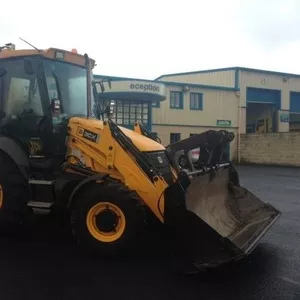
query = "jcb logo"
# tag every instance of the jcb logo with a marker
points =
(88, 135)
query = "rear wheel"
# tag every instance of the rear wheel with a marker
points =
(106, 218)
(14, 194)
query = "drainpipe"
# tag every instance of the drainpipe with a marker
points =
(238, 93)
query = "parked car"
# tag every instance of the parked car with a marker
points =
(194, 156)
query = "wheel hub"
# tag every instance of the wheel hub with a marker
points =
(107, 220)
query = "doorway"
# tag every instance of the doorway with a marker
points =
(260, 118)
(262, 108)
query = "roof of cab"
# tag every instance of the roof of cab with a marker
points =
(69, 56)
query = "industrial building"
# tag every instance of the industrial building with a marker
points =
(242, 100)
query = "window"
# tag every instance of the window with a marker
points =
(68, 82)
(23, 96)
(155, 104)
(127, 112)
(196, 101)
(174, 137)
(20, 91)
(176, 100)
(77, 92)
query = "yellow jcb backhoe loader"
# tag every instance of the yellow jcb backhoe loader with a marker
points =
(55, 155)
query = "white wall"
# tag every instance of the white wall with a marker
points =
(217, 105)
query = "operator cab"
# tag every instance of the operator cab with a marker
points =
(40, 91)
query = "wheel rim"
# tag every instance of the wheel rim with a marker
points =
(1, 196)
(106, 222)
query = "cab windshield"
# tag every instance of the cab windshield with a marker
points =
(67, 83)
(21, 95)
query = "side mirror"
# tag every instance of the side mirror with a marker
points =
(2, 72)
(28, 67)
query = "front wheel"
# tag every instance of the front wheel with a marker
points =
(105, 218)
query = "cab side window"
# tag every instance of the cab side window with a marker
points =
(20, 94)
(23, 97)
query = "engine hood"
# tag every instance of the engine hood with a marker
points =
(141, 142)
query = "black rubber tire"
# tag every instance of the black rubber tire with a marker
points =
(118, 195)
(16, 194)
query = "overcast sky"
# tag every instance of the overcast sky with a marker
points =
(145, 39)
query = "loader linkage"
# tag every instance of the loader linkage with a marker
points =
(212, 144)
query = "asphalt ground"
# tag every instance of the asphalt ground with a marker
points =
(43, 262)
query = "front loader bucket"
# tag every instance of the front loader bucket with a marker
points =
(213, 221)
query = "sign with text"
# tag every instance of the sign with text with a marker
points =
(144, 87)
(223, 123)
(136, 87)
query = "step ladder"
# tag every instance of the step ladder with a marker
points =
(40, 204)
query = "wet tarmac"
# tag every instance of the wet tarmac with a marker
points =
(46, 264)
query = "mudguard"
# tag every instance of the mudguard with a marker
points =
(81, 184)
(16, 153)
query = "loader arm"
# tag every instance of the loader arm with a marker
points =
(127, 145)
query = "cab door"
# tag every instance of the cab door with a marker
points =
(26, 106)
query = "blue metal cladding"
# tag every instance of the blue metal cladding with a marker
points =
(258, 95)
(295, 102)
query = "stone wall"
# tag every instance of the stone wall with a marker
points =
(271, 148)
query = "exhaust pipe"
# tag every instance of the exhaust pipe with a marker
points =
(88, 85)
